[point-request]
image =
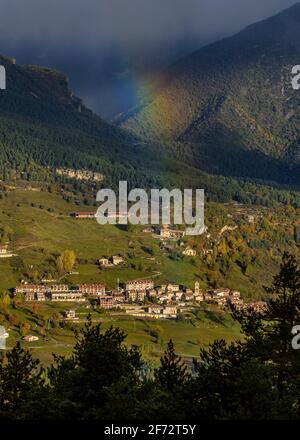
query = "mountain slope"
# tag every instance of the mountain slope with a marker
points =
(232, 102)
(43, 125)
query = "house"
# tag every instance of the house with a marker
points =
(157, 310)
(30, 296)
(136, 295)
(4, 252)
(119, 297)
(58, 288)
(169, 294)
(206, 252)
(199, 297)
(106, 302)
(104, 262)
(33, 295)
(3, 249)
(189, 252)
(170, 287)
(91, 289)
(173, 234)
(170, 311)
(40, 296)
(58, 292)
(70, 314)
(71, 295)
(80, 215)
(141, 296)
(219, 293)
(165, 297)
(178, 295)
(117, 259)
(188, 295)
(131, 295)
(139, 285)
(221, 301)
(148, 230)
(30, 338)
(176, 234)
(217, 296)
(119, 215)
(48, 280)
(162, 311)
(24, 288)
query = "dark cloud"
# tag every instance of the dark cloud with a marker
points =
(103, 43)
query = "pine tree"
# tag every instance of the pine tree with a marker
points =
(21, 381)
(100, 363)
(172, 371)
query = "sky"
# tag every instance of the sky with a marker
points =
(107, 47)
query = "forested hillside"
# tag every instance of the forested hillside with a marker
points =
(225, 109)
(230, 108)
(43, 126)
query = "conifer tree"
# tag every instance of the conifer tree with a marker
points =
(172, 371)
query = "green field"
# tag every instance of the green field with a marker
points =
(151, 336)
(39, 235)
(42, 229)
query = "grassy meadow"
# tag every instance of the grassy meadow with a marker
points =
(42, 228)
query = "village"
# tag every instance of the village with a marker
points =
(139, 298)
(143, 298)
(159, 295)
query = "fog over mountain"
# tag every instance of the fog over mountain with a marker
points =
(107, 47)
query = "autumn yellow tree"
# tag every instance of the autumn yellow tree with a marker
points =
(66, 260)
(4, 302)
